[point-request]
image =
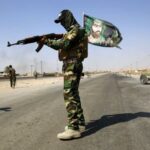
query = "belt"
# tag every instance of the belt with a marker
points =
(72, 60)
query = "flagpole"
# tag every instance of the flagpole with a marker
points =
(118, 47)
(83, 18)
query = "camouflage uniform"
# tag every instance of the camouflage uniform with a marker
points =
(72, 75)
(72, 49)
(12, 76)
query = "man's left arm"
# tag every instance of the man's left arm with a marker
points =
(63, 43)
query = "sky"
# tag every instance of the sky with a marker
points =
(26, 18)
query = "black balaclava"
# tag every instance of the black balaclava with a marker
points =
(10, 66)
(66, 19)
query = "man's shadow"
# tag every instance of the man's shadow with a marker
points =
(5, 109)
(108, 120)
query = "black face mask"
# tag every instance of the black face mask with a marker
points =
(66, 19)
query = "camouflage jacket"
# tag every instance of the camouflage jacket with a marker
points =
(12, 73)
(74, 44)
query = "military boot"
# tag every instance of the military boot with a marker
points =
(69, 134)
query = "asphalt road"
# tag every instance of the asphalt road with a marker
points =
(117, 112)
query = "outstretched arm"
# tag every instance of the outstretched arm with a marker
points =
(63, 43)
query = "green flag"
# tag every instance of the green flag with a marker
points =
(101, 33)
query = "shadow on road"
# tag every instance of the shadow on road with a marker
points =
(5, 109)
(108, 120)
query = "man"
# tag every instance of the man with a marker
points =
(99, 34)
(12, 76)
(96, 29)
(72, 49)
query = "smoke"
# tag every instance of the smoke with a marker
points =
(24, 59)
(3, 55)
(3, 59)
(19, 59)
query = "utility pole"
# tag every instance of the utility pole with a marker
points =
(57, 67)
(35, 64)
(41, 67)
(31, 69)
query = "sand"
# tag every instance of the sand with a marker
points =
(25, 86)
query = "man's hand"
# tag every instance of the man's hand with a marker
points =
(42, 40)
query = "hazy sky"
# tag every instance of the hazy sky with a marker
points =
(22, 18)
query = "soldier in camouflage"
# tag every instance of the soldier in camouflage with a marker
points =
(72, 49)
(12, 76)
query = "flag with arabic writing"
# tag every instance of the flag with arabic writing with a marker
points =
(101, 33)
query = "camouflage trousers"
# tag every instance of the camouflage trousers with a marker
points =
(12, 82)
(72, 74)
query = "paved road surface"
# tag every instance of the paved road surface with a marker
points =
(117, 111)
